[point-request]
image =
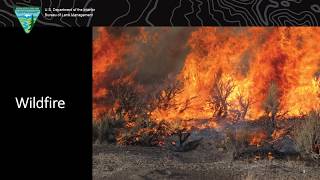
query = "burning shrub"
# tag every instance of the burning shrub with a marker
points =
(128, 103)
(244, 104)
(164, 99)
(126, 100)
(239, 110)
(106, 129)
(246, 142)
(144, 132)
(139, 131)
(307, 135)
(271, 104)
(220, 92)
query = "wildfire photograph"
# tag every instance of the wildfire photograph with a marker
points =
(206, 103)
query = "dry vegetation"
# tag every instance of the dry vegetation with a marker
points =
(271, 104)
(106, 129)
(307, 136)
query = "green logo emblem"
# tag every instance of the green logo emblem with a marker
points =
(27, 17)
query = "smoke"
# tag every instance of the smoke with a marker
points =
(163, 56)
(153, 53)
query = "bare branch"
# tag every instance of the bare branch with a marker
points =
(218, 100)
(126, 101)
(186, 105)
(164, 98)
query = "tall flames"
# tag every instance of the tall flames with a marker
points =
(251, 59)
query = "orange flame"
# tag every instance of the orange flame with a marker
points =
(252, 58)
(257, 138)
(107, 56)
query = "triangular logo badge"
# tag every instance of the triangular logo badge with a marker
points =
(27, 17)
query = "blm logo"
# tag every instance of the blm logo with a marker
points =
(27, 17)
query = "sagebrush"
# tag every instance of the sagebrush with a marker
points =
(307, 135)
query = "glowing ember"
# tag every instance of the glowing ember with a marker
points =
(258, 138)
(279, 133)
